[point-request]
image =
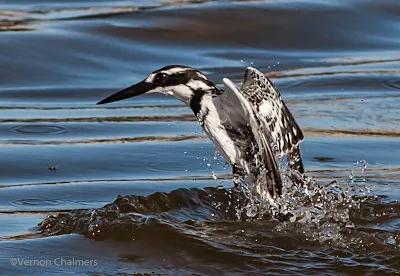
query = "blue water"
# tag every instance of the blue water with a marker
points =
(336, 64)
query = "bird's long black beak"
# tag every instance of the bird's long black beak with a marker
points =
(132, 91)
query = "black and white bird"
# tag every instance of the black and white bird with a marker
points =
(250, 127)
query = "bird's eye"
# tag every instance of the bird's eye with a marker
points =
(159, 78)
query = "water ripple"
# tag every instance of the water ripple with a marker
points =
(38, 129)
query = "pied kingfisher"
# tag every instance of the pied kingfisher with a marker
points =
(249, 127)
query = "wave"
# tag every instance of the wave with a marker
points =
(328, 216)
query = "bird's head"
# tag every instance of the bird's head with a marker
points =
(181, 82)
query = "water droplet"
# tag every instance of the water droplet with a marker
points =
(391, 240)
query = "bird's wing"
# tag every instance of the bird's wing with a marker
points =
(235, 101)
(271, 110)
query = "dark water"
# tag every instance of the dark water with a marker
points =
(66, 160)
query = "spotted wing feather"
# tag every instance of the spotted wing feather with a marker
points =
(271, 110)
(234, 98)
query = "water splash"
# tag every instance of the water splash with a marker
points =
(320, 211)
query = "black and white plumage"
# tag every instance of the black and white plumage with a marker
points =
(275, 117)
(248, 126)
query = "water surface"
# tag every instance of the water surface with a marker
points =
(337, 66)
